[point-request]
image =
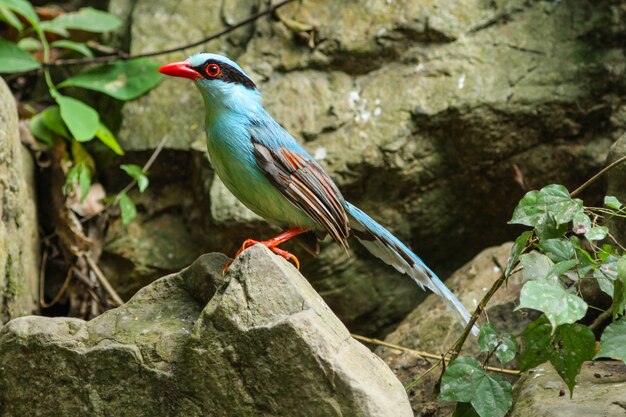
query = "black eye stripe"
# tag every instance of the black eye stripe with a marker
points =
(229, 73)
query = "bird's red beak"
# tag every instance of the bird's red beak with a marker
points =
(180, 69)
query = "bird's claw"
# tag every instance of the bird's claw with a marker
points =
(268, 244)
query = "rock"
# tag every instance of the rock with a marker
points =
(257, 342)
(19, 235)
(600, 392)
(432, 328)
(421, 111)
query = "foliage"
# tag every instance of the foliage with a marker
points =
(568, 244)
(70, 119)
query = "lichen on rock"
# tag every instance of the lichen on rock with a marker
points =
(257, 342)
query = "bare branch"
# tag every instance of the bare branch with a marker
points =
(123, 56)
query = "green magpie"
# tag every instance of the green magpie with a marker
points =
(272, 175)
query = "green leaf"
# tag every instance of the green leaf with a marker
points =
(549, 297)
(79, 47)
(84, 181)
(536, 339)
(137, 174)
(612, 202)
(557, 249)
(29, 44)
(585, 261)
(464, 410)
(51, 117)
(573, 344)
(606, 274)
(82, 120)
(106, 137)
(518, 247)
(567, 349)
(71, 178)
(81, 174)
(562, 267)
(487, 339)
(81, 156)
(581, 223)
(123, 80)
(505, 346)
(553, 199)
(24, 8)
(127, 208)
(39, 129)
(548, 228)
(10, 18)
(466, 381)
(87, 19)
(507, 349)
(52, 26)
(535, 266)
(13, 59)
(613, 341)
(597, 233)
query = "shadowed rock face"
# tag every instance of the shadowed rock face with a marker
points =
(432, 328)
(419, 111)
(19, 235)
(257, 342)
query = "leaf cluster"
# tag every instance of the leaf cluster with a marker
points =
(70, 119)
(568, 244)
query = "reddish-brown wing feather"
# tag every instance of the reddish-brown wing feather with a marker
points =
(307, 186)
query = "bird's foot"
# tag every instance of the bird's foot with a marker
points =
(272, 244)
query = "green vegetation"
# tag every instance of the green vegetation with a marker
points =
(567, 247)
(69, 119)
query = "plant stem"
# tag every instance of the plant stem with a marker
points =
(598, 175)
(601, 319)
(103, 280)
(427, 354)
(458, 345)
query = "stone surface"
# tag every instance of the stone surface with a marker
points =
(421, 111)
(19, 236)
(431, 327)
(600, 392)
(257, 342)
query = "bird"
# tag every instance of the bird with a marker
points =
(274, 176)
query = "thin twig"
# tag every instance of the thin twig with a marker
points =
(426, 354)
(598, 175)
(458, 345)
(103, 280)
(59, 294)
(124, 56)
(146, 167)
(423, 375)
(601, 319)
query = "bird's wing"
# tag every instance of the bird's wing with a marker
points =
(303, 182)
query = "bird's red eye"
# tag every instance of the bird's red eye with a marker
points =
(213, 70)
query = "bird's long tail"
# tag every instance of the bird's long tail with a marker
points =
(383, 244)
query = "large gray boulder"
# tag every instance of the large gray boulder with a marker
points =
(19, 235)
(421, 111)
(600, 392)
(257, 342)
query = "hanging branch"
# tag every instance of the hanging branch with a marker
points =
(124, 56)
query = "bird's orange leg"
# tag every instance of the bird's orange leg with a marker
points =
(272, 244)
